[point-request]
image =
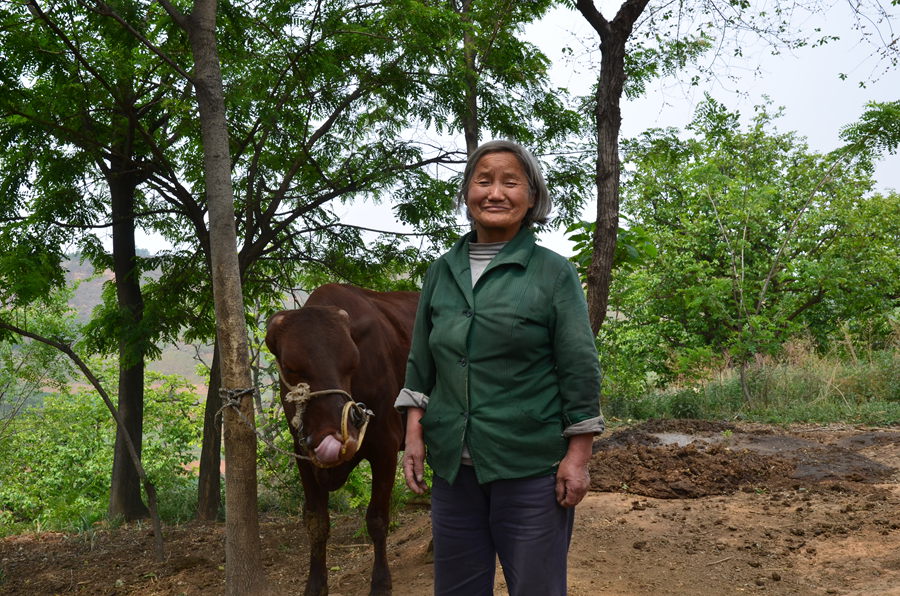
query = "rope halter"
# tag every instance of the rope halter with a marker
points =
(355, 413)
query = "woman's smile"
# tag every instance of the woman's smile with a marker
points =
(498, 197)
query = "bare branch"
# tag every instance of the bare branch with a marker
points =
(737, 277)
(66, 348)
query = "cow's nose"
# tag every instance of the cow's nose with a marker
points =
(357, 416)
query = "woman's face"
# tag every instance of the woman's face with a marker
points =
(498, 197)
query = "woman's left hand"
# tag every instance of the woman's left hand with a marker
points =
(572, 477)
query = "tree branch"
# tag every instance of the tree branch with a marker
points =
(102, 8)
(775, 262)
(594, 17)
(176, 15)
(36, 10)
(66, 349)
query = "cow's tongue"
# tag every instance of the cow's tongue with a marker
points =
(328, 450)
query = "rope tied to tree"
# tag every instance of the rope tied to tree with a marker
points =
(231, 398)
(353, 412)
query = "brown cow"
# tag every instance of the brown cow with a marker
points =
(342, 359)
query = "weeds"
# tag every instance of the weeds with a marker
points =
(859, 385)
(87, 531)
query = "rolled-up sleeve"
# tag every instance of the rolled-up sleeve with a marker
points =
(594, 426)
(407, 398)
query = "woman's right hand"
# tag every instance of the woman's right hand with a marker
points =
(414, 454)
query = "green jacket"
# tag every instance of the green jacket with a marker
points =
(507, 365)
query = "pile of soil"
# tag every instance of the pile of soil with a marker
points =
(677, 507)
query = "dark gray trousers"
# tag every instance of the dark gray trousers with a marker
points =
(517, 520)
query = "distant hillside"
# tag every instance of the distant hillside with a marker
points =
(179, 359)
(89, 286)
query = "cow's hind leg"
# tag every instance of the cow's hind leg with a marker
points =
(378, 521)
(315, 515)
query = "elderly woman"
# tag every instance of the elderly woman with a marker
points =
(502, 389)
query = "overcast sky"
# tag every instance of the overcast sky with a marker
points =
(806, 83)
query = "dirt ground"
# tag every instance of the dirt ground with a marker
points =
(677, 508)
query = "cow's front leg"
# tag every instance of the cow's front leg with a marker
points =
(315, 515)
(378, 520)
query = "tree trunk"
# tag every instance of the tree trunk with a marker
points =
(608, 121)
(125, 490)
(608, 118)
(470, 113)
(243, 564)
(210, 453)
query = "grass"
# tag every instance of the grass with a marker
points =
(801, 386)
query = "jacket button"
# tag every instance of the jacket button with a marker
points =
(462, 362)
(468, 313)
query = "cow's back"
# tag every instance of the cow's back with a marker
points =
(388, 315)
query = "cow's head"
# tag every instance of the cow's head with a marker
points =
(316, 357)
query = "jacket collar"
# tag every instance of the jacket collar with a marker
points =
(517, 252)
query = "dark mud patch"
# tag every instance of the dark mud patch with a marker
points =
(692, 458)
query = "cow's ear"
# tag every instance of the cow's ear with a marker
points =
(353, 325)
(274, 323)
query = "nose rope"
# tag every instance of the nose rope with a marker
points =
(300, 395)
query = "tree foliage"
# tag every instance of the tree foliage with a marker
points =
(644, 39)
(757, 239)
(326, 103)
(28, 369)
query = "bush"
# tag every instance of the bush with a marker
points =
(685, 404)
(56, 460)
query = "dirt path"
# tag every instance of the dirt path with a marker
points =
(678, 508)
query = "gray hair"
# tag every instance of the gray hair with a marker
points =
(537, 188)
